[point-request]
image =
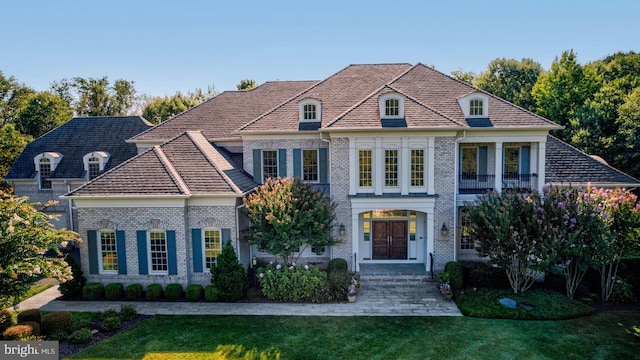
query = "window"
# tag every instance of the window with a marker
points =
(417, 167)
(476, 107)
(318, 250)
(158, 259)
(269, 164)
(391, 107)
(469, 162)
(365, 166)
(310, 112)
(466, 240)
(511, 162)
(366, 226)
(212, 246)
(44, 171)
(108, 252)
(94, 167)
(391, 168)
(310, 165)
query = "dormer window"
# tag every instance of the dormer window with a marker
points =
(476, 107)
(310, 110)
(391, 106)
(45, 164)
(94, 163)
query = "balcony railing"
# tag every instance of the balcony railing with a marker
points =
(470, 183)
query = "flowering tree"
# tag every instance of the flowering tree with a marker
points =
(287, 216)
(25, 235)
(620, 211)
(507, 228)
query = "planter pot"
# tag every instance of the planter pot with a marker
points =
(351, 298)
(447, 297)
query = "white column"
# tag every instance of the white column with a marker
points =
(542, 146)
(404, 172)
(378, 167)
(355, 240)
(353, 166)
(498, 164)
(431, 165)
(429, 238)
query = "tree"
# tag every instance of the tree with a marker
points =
(96, 97)
(511, 80)
(42, 113)
(508, 233)
(246, 84)
(466, 76)
(287, 216)
(25, 235)
(160, 109)
(12, 97)
(12, 142)
(229, 276)
(627, 145)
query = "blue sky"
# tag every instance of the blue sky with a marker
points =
(169, 46)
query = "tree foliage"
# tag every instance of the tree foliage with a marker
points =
(246, 84)
(12, 142)
(96, 97)
(160, 109)
(42, 113)
(466, 76)
(25, 235)
(511, 80)
(13, 96)
(287, 216)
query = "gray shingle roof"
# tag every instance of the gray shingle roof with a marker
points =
(78, 137)
(568, 165)
(186, 165)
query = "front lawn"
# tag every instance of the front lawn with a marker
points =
(601, 336)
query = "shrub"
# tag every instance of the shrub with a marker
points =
(153, 292)
(622, 292)
(93, 291)
(111, 323)
(134, 292)
(6, 319)
(80, 323)
(478, 274)
(18, 332)
(128, 313)
(73, 288)
(35, 327)
(229, 276)
(113, 291)
(58, 335)
(81, 336)
(455, 274)
(56, 320)
(30, 315)
(294, 283)
(210, 293)
(108, 313)
(173, 291)
(339, 282)
(194, 292)
(337, 264)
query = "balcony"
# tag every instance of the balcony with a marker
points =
(471, 183)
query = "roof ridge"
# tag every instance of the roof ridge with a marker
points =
(198, 138)
(173, 173)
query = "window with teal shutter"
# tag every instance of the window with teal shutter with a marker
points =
(282, 162)
(172, 252)
(257, 166)
(196, 239)
(141, 239)
(92, 239)
(121, 246)
(323, 165)
(297, 163)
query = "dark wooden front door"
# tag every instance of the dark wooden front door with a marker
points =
(389, 239)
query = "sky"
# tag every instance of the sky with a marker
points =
(168, 46)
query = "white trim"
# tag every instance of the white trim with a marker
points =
(166, 246)
(203, 247)
(310, 101)
(99, 250)
(129, 202)
(317, 151)
(465, 105)
(382, 106)
(102, 156)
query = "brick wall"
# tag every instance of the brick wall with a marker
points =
(445, 173)
(339, 160)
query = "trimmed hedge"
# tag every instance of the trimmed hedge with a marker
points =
(478, 274)
(194, 292)
(93, 291)
(30, 315)
(134, 292)
(35, 327)
(173, 291)
(337, 265)
(153, 292)
(114, 291)
(211, 293)
(52, 321)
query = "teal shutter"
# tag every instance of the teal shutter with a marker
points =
(196, 239)
(525, 155)
(257, 166)
(121, 246)
(172, 256)
(323, 166)
(92, 238)
(282, 162)
(141, 238)
(482, 160)
(226, 236)
(297, 163)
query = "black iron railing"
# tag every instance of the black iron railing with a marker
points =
(469, 183)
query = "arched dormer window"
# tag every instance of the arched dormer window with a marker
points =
(391, 106)
(94, 163)
(310, 110)
(45, 163)
(474, 105)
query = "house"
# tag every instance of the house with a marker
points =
(69, 156)
(400, 148)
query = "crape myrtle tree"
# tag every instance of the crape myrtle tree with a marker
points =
(506, 226)
(25, 235)
(287, 216)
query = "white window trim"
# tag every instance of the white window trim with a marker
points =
(315, 102)
(262, 163)
(477, 158)
(423, 188)
(465, 105)
(317, 165)
(382, 105)
(365, 189)
(399, 171)
(99, 244)
(204, 247)
(149, 262)
(102, 156)
(504, 161)
(54, 160)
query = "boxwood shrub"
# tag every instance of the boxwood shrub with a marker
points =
(111, 323)
(114, 291)
(211, 293)
(337, 265)
(93, 291)
(134, 292)
(294, 283)
(60, 320)
(81, 336)
(153, 292)
(30, 315)
(173, 291)
(194, 292)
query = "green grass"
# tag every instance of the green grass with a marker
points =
(547, 305)
(297, 337)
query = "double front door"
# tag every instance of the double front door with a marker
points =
(389, 239)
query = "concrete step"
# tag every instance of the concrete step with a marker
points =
(395, 280)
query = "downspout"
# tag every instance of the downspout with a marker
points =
(249, 261)
(70, 202)
(455, 195)
(329, 178)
